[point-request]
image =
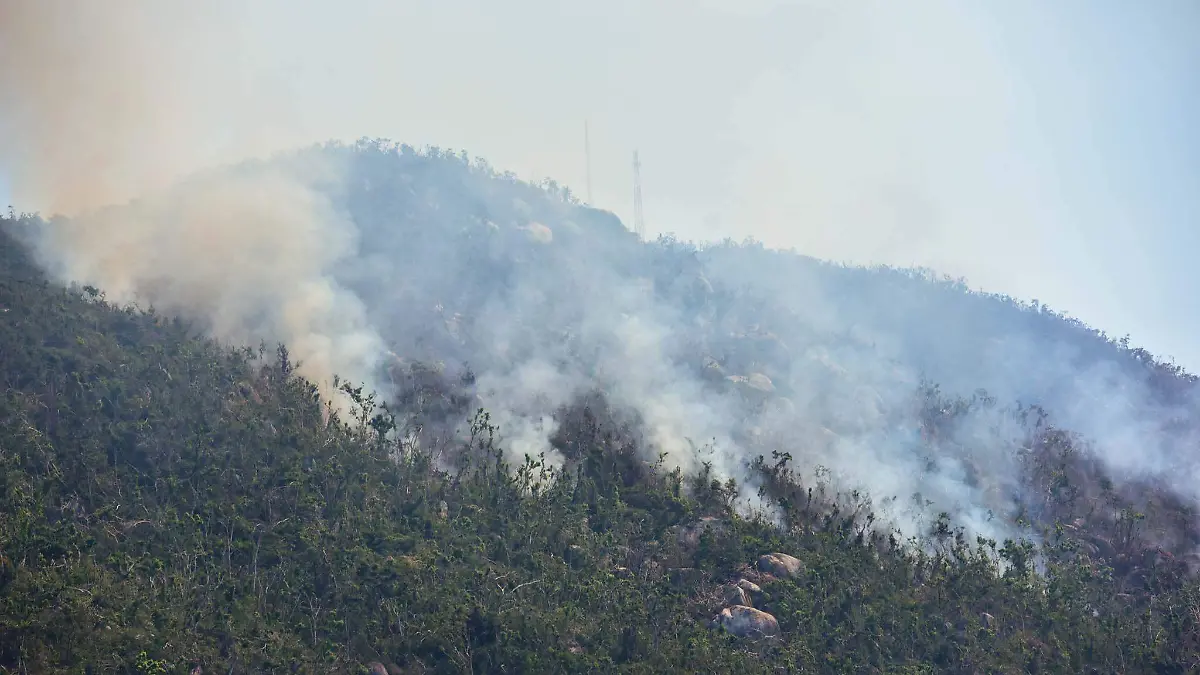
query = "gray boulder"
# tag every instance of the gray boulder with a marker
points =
(781, 565)
(746, 622)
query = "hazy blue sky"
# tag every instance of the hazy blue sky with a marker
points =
(1043, 149)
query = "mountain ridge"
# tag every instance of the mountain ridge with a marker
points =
(610, 371)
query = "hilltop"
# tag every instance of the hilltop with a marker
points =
(570, 448)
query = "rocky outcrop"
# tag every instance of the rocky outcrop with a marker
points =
(750, 587)
(746, 622)
(742, 592)
(689, 535)
(538, 232)
(754, 387)
(736, 595)
(711, 370)
(781, 565)
(576, 556)
(685, 577)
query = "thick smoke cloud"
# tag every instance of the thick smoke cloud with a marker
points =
(357, 258)
(107, 102)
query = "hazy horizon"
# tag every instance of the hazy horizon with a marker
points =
(1039, 151)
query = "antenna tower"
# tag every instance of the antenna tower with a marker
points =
(587, 154)
(639, 225)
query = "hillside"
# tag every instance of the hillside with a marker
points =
(582, 444)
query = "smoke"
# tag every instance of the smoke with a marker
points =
(109, 102)
(101, 102)
(349, 254)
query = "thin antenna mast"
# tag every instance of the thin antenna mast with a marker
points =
(587, 154)
(639, 224)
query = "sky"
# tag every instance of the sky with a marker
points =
(1042, 150)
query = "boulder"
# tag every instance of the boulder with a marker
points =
(538, 232)
(576, 556)
(783, 407)
(760, 382)
(1102, 545)
(684, 577)
(826, 440)
(711, 370)
(689, 535)
(736, 595)
(781, 565)
(746, 622)
(737, 380)
(749, 586)
(755, 387)
(690, 288)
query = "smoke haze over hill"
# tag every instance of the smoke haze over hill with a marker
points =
(354, 255)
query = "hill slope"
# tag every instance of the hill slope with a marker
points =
(169, 495)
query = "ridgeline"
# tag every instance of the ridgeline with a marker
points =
(172, 504)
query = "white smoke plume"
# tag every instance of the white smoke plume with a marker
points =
(107, 102)
(346, 253)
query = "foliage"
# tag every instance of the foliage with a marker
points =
(169, 502)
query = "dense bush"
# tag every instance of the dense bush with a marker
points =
(169, 502)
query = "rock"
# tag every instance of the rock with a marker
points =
(622, 573)
(690, 288)
(988, 620)
(538, 232)
(749, 586)
(760, 382)
(1139, 577)
(1103, 546)
(376, 668)
(443, 510)
(689, 535)
(781, 565)
(827, 440)
(755, 387)
(972, 474)
(685, 576)
(576, 556)
(822, 365)
(760, 346)
(736, 595)
(784, 407)
(746, 622)
(712, 370)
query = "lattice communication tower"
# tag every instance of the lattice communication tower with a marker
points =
(639, 223)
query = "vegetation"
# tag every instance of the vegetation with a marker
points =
(169, 503)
